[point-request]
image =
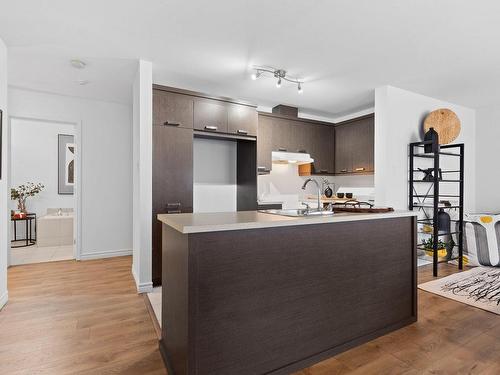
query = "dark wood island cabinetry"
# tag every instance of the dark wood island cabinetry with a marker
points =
(250, 293)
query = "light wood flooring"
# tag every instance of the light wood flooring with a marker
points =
(86, 318)
(76, 318)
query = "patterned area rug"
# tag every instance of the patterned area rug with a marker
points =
(478, 287)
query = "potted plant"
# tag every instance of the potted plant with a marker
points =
(443, 248)
(22, 192)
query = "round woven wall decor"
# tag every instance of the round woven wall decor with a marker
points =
(445, 122)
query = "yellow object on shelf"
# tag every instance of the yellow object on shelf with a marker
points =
(427, 228)
(441, 253)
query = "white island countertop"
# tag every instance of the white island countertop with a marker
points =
(222, 221)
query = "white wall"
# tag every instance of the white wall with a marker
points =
(399, 116)
(34, 158)
(4, 190)
(487, 176)
(142, 175)
(106, 159)
(214, 175)
(284, 184)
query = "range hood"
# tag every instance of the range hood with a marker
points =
(283, 157)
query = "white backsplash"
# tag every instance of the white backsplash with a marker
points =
(284, 184)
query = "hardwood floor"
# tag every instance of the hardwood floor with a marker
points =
(86, 318)
(76, 318)
(449, 338)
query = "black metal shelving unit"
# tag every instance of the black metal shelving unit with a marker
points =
(432, 196)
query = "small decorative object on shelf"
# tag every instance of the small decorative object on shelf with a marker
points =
(442, 250)
(432, 137)
(328, 191)
(23, 192)
(17, 214)
(428, 174)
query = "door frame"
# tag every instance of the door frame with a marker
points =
(77, 224)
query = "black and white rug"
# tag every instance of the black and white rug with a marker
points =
(478, 287)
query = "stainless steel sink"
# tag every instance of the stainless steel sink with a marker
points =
(298, 212)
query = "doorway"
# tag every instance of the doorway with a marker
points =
(44, 173)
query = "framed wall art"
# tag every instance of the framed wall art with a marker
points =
(66, 164)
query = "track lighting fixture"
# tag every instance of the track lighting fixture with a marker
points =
(279, 74)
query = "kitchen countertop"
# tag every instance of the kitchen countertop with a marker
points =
(223, 221)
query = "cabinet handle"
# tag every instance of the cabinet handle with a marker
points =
(360, 169)
(323, 170)
(240, 131)
(343, 170)
(211, 128)
(302, 151)
(174, 208)
(171, 123)
(281, 149)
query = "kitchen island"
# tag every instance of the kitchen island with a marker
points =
(254, 293)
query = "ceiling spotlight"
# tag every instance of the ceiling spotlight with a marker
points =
(299, 87)
(78, 64)
(278, 84)
(256, 75)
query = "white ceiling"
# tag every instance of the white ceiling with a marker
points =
(342, 49)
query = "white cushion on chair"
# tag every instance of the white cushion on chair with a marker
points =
(482, 239)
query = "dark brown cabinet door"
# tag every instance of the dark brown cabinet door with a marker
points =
(210, 115)
(325, 149)
(354, 146)
(172, 181)
(242, 120)
(264, 144)
(343, 149)
(302, 135)
(282, 135)
(322, 150)
(363, 145)
(172, 109)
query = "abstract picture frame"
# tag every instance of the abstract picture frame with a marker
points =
(66, 164)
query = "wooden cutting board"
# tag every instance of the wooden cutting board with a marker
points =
(331, 199)
(366, 210)
(445, 122)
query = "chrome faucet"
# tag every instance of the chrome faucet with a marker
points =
(320, 208)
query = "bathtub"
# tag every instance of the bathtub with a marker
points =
(55, 228)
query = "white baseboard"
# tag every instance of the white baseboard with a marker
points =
(142, 287)
(3, 299)
(105, 254)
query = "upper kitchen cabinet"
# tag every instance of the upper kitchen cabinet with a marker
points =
(281, 135)
(284, 133)
(242, 120)
(322, 150)
(264, 144)
(172, 109)
(354, 146)
(302, 137)
(210, 115)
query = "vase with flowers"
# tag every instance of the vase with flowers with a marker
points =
(22, 192)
